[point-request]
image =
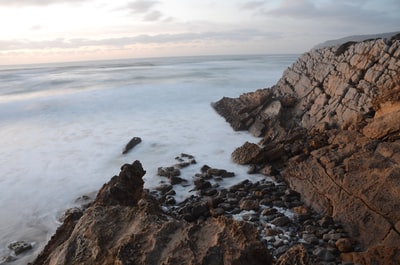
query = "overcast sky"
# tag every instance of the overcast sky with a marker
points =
(36, 31)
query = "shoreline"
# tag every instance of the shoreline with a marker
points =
(277, 213)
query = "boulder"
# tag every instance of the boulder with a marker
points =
(248, 153)
(131, 144)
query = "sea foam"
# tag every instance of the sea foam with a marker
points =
(63, 128)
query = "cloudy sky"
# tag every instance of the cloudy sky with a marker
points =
(36, 31)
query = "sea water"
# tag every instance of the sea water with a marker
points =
(63, 127)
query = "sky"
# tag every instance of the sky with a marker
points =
(42, 31)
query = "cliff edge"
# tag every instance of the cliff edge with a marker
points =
(331, 128)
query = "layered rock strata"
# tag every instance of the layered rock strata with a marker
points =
(330, 128)
(126, 225)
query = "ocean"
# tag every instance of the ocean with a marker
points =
(63, 128)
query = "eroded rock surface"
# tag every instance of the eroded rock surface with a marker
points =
(330, 128)
(125, 225)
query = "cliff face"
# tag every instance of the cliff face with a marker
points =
(331, 128)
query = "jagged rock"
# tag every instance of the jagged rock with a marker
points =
(249, 153)
(344, 160)
(131, 144)
(168, 172)
(295, 255)
(125, 189)
(125, 225)
(20, 247)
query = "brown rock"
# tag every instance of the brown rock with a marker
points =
(384, 124)
(128, 227)
(344, 245)
(125, 189)
(295, 255)
(248, 153)
(375, 255)
(281, 221)
(249, 205)
(331, 127)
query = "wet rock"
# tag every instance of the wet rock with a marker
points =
(19, 247)
(280, 250)
(7, 259)
(164, 188)
(252, 169)
(209, 192)
(272, 232)
(344, 245)
(281, 221)
(168, 172)
(269, 211)
(201, 184)
(74, 212)
(226, 206)
(324, 254)
(126, 229)
(176, 180)
(215, 212)
(124, 189)
(310, 238)
(249, 205)
(199, 209)
(185, 160)
(295, 255)
(131, 144)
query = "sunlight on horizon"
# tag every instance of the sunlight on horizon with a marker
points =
(68, 30)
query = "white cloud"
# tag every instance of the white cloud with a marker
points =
(141, 6)
(252, 5)
(355, 10)
(20, 3)
(234, 35)
(152, 16)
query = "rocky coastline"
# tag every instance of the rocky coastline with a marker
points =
(330, 128)
(261, 222)
(329, 147)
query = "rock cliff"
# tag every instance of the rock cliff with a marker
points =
(331, 128)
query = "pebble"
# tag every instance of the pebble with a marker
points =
(321, 236)
(310, 238)
(281, 221)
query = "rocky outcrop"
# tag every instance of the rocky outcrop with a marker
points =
(330, 128)
(126, 225)
(131, 144)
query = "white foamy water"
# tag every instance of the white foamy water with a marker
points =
(63, 127)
